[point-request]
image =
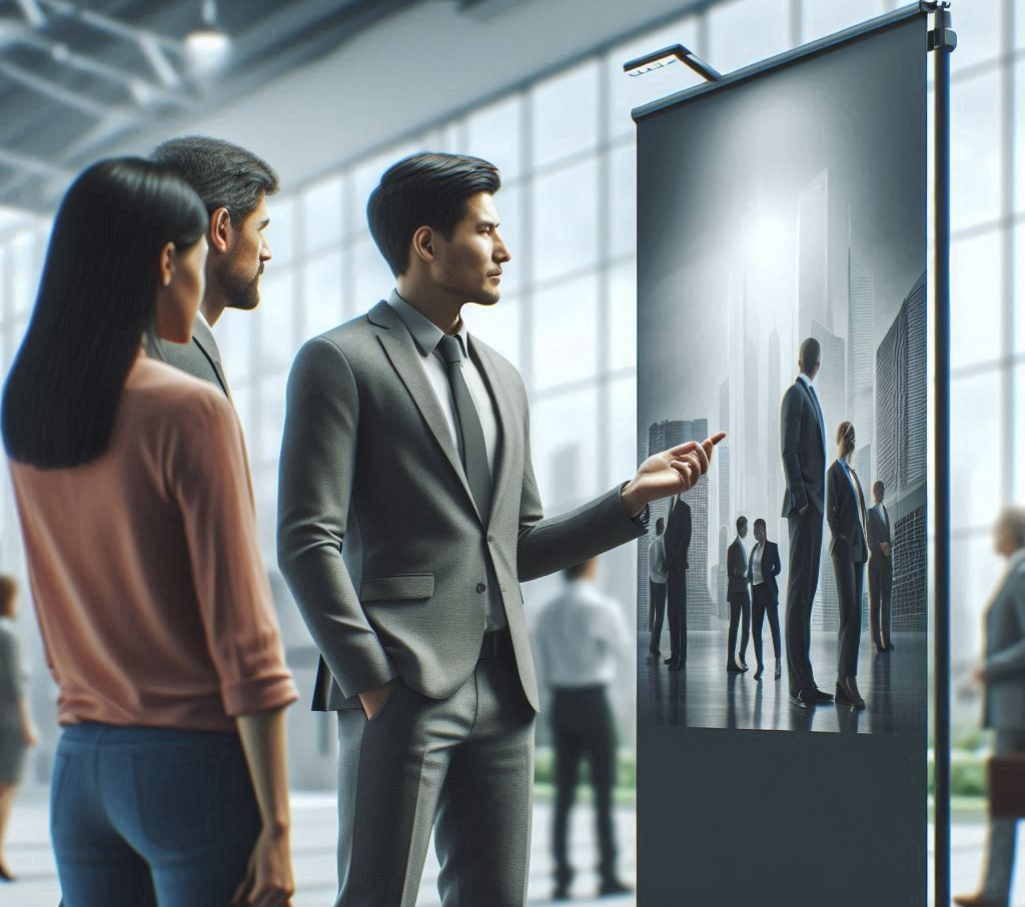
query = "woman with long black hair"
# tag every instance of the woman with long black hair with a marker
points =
(137, 512)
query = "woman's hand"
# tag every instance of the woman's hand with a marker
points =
(268, 881)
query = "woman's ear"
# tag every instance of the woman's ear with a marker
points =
(167, 263)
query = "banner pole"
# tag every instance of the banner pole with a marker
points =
(942, 40)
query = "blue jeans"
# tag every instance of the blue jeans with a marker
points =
(143, 816)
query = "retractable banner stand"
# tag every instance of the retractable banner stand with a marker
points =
(782, 203)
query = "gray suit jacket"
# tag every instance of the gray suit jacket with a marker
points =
(737, 571)
(803, 450)
(379, 539)
(1004, 667)
(200, 357)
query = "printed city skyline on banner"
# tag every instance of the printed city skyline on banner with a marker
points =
(798, 232)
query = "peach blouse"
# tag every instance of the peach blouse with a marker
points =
(150, 590)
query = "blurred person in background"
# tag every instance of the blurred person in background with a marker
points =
(880, 571)
(848, 548)
(233, 184)
(17, 732)
(1002, 675)
(764, 567)
(738, 594)
(170, 783)
(581, 635)
(657, 577)
(676, 543)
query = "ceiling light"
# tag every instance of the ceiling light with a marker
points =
(208, 47)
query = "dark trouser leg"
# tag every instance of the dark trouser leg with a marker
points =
(850, 578)
(731, 643)
(802, 582)
(568, 750)
(885, 611)
(658, 606)
(601, 755)
(772, 609)
(875, 597)
(745, 625)
(757, 617)
(676, 591)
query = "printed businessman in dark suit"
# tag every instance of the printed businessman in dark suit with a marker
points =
(848, 550)
(233, 184)
(764, 567)
(738, 594)
(677, 545)
(408, 515)
(803, 440)
(880, 570)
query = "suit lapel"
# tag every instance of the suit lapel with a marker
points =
(818, 411)
(203, 337)
(404, 356)
(487, 361)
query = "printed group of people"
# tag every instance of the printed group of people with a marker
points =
(408, 514)
(859, 535)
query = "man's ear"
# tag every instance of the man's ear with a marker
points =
(221, 233)
(423, 244)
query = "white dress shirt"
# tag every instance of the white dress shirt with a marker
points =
(580, 635)
(657, 572)
(427, 335)
(756, 565)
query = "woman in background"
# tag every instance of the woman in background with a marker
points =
(845, 513)
(137, 513)
(17, 732)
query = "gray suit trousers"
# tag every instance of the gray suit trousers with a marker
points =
(464, 764)
(996, 877)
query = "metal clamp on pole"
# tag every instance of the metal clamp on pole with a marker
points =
(942, 37)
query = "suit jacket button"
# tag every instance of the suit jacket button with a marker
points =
(481, 587)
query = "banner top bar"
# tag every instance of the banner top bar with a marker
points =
(805, 50)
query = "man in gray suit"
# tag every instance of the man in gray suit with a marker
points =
(803, 437)
(233, 184)
(408, 515)
(880, 570)
(1002, 674)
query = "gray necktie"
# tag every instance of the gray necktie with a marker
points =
(472, 449)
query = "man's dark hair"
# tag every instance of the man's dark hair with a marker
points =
(426, 189)
(760, 522)
(741, 521)
(811, 354)
(223, 175)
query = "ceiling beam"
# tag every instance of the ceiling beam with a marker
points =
(53, 90)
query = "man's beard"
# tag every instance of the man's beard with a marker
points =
(242, 292)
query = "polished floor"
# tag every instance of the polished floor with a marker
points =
(893, 685)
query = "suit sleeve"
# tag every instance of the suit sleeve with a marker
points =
(685, 534)
(548, 545)
(316, 469)
(790, 432)
(777, 567)
(1010, 662)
